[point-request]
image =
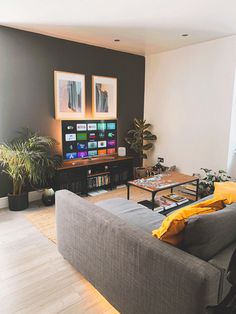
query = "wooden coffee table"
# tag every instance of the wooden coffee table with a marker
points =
(162, 182)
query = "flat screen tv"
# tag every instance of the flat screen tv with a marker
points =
(88, 138)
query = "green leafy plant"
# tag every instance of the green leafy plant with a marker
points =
(140, 138)
(28, 159)
(206, 184)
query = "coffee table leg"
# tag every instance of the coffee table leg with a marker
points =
(127, 191)
(153, 200)
(197, 189)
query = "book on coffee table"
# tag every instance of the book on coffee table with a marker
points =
(164, 203)
(179, 200)
(188, 189)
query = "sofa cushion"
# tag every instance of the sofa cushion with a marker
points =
(221, 261)
(134, 272)
(206, 235)
(133, 213)
(226, 191)
(171, 230)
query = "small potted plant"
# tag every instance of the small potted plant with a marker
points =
(28, 159)
(206, 184)
(140, 139)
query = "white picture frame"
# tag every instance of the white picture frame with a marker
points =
(104, 97)
(69, 93)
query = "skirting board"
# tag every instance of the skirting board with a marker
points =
(33, 196)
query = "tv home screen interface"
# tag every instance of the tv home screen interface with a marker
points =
(84, 139)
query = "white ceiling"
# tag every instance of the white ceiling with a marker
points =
(143, 26)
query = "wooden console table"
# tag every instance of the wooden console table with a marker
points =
(82, 176)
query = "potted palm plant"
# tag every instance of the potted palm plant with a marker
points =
(28, 159)
(140, 139)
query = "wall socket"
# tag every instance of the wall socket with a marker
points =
(160, 159)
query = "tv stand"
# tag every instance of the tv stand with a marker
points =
(102, 158)
(86, 175)
(75, 163)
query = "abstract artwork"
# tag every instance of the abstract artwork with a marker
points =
(104, 97)
(69, 95)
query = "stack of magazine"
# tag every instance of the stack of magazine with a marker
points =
(170, 201)
(189, 189)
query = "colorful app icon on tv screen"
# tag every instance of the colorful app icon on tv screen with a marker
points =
(111, 143)
(102, 144)
(81, 127)
(102, 152)
(101, 126)
(81, 136)
(92, 145)
(111, 151)
(92, 153)
(70, 127)
(82, 146)
(71, 155)
(92, 135)
(87, 138)
(92, 126)
(82, 154)
(70, 137)
(101, 135)
(70, 147)
(111, 126)
(111, 134)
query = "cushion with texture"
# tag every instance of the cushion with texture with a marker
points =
(206, 235)
(133, 213)
(226, 191)
(171, 230)
(221, 261)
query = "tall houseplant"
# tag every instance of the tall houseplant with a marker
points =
(140, 139)
(28, 159)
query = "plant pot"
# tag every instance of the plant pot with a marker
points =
(18, 202)
(48, 197)
(140, 172)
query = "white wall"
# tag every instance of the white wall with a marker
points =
(232, 140)
(188, 99)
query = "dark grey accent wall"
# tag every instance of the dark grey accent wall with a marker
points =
(27, 64)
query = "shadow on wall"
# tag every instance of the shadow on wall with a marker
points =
(232, 165)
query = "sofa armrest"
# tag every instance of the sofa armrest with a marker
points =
(134, 271)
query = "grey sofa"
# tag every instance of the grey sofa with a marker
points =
(111, 245)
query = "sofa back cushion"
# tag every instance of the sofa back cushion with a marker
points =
(133, 213)
(171, 229)
(225, 191)
(206, 235)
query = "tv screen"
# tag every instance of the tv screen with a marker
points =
(84, 139)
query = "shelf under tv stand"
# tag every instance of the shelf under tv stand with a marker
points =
(98, 174)
(74, 175)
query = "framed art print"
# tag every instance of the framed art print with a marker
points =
(69, 89)
(104, 97)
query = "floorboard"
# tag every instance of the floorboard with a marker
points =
(34, 277)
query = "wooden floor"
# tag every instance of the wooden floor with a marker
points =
(34, 277)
